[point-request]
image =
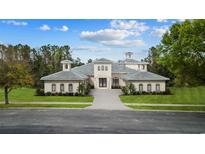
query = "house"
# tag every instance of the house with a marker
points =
(105, 74)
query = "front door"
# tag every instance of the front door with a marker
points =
(102, 82)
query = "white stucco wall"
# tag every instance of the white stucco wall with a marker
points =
(48, 86)
(153, 85)
(102, 74)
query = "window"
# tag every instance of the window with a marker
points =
(143, 67)
(98, 68)
(102, 68)
(149, 88)
(140, 87)
(70, 87)
(157, 87)
(53, 87)
(106, 68)
(102, 82)
(139, 66)
(61, 87)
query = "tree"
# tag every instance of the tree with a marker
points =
(182, 52)
(89, 61)
(14, 72)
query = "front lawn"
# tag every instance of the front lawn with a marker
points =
(194, 95)
(28, 95)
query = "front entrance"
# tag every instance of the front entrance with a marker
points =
(102, 82)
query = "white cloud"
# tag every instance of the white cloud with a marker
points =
(159, 31)
(123, 43)
(44, 27)
(91, 48)
(132, 25)
(15, 23)
(111, 37)
(64, 28)
(162, 20)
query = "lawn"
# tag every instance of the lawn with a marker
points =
(28, 95)
(185, 95)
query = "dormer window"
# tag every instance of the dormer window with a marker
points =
(98, 68)
(102, 68)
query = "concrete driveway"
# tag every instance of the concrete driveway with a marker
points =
(106, 99)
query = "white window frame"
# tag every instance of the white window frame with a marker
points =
(53, 87)
(140, 87)
(149, 87)
(98, 68)
(70, 89)
(106, 68)
(157, 87)
(62, 87)
(102, 67)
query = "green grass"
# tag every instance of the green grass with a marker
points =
(28, 95)
(194, 95)
(45, 105)
(184, 108)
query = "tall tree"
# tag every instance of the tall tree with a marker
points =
(14, 72)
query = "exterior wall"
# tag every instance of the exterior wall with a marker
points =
(153, 85)
(48, 86)
(119, 75)
(137, 66)
(102, 74)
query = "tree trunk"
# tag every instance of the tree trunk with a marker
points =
(6, 99)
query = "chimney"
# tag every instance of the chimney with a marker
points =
(66, 65)
(129, 55)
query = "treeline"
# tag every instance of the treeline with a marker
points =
(181, 54)
(38, 61)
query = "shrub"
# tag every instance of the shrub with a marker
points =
(84, 89)
(39, 92)
(125, 90)
(70, 94)
(48, 94)
(76, 94)
(132, 89)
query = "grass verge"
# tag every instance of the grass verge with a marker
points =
(182, 108)
(45, 105)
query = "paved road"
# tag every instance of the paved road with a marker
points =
(107, 100)
(98, 121)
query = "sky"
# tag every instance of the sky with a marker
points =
(88, 38)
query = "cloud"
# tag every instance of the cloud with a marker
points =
(123, 43)
(111, 37)
(44, 27)
(162, 20)
(91, 48)
(132, 25)
(15, 23)
(64, 28)
(158, 32)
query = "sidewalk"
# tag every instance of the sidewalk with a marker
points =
(144, 104)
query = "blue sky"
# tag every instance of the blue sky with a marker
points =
(88, 38)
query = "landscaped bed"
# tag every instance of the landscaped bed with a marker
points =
(28, 95)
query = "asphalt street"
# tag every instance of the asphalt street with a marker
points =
(79, 121)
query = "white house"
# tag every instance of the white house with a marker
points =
(105, 74)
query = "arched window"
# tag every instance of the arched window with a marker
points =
(140, 87)
(61, 87)
(70, 87)
(106, 68)
(53, 87)
(149, 88)
(102, 68)
(98, 68)
(157, 87)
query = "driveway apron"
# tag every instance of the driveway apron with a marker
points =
(107, 100)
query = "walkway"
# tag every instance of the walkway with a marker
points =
(107, 100)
